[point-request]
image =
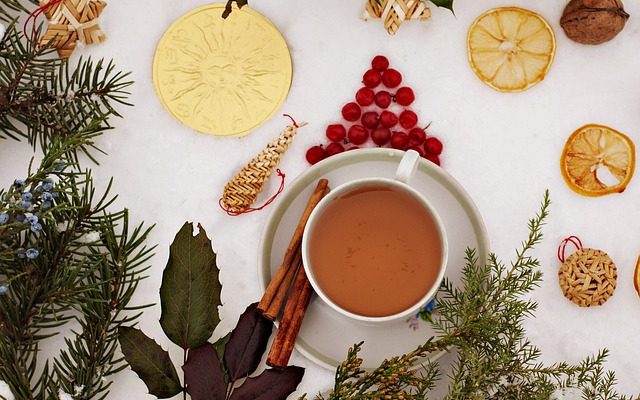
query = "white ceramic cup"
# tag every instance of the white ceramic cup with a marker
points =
(405, 171)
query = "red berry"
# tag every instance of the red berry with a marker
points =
(380, 136)
(408, 119)
(351, 112)
(370, 119)
(416, 137)
(419, 149)
(371, 78)
(358, 134)
(391, 78)
(433, 158)
(365, 96)
(380, 63)
(333, 149)
(388, 119)
(433, 146)
(383, 99)
(336, 132)
(399, 140)
(315, 154)
(405, 96)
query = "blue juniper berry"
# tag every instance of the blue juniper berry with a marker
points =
(32, 254)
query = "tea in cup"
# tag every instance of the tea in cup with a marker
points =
(375, 249)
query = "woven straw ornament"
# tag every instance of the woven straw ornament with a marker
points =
(242, 191)
(394, 12)
(588, 277)
(71, 21)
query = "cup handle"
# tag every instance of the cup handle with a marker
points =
(407, 166)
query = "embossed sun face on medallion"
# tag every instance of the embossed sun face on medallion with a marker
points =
(223, 77)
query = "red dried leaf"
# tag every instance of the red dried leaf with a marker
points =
(203, 374)
(247, 343)
(272, 384)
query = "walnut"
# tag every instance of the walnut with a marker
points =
(593, 21)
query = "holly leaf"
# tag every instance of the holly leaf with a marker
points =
(150, 362)
(448, 4)
(272, 384)
(203, 374)
(229, 7)
(247, 343)
(190, 290)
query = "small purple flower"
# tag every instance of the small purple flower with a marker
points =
(46, 205)
(25, 204)
(18, 183)
(4, 218)
(46, 196)
(58, 166)
(21, 218)
(3, 290)
(27, 196)
(47, 186)
(32, 219)
(32, 254)
(36, 227)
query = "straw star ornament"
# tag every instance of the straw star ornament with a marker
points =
(71, 21)
(394, 12)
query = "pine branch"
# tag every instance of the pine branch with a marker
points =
(52, 99)
(85, 263)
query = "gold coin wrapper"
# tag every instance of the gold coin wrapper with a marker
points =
(222, 76)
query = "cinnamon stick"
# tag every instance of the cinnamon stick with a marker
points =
(292, 317)
(279, 279)
(276, 304)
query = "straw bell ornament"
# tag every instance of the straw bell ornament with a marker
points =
(394, 12)
(242, 191)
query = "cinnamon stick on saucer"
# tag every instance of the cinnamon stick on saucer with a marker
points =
(274, 308)
(294, 311)
(274, 296)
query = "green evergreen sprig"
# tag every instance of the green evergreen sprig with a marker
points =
(83, 263)
(481, 320)
(43, 97)
(65, 255)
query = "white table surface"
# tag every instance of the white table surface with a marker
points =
(503, 148)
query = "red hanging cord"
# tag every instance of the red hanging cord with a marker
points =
(563, 245)
(34, 16)
(234, 213)
(292, 120)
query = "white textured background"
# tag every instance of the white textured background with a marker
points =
(503, 148)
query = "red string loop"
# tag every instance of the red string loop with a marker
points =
(574, 240)
(34, 16)
(292, 120)
(234, 213)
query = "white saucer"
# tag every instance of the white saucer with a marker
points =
(325, 335)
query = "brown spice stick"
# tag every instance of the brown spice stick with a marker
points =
(272, 311)
(294, 244)
(294, 311)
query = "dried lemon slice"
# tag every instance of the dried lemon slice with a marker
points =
(597, 160)
(510, 49)
(636, 277)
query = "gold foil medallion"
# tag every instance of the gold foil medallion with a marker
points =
(222, 76)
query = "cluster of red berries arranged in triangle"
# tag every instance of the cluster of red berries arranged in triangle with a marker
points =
(380, 116)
